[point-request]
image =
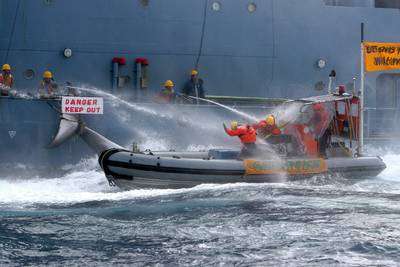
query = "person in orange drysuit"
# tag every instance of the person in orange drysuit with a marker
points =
(268, 127)
(319, 122)
(247, 135)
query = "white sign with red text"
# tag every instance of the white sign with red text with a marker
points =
(82, 105)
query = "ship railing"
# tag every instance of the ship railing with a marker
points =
(382, 123)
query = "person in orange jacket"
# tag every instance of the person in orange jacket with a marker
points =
(319, 122)
(167, 95)
(268, 127)
(247, 135)
(6, 79)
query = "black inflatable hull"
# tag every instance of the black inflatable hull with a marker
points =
(182, 170)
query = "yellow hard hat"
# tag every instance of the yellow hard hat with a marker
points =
(6, 67)
(194, 72)
(47, 74)
(234, 125)
(169, 83)
(270, 120)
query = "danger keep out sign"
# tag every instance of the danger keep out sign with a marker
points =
(82, 105)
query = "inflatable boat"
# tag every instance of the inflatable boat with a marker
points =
(173, 169)
(130, 170)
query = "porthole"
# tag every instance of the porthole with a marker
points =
(67, 52)
(251, 7)
(216, 6)
(29, 74)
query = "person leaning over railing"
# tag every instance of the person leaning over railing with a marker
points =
(194, 87)
(167, 94)
(48, 87)
(6, 80)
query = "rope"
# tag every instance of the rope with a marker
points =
(203, 27)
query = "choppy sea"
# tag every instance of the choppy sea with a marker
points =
(79, 220)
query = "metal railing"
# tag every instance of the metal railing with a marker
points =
(382, 123)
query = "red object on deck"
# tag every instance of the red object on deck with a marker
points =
(342, 89)
(246, 133)
(142, 60)
(119, 60)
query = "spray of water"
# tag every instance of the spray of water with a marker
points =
(287, 113)
(119, 100)
(238, 112)
(202, 126)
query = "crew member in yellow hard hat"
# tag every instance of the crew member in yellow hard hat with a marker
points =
(194, 87)
(268, 127)
(167, 94)
(6, 78)
(47, 86)
(247, 135)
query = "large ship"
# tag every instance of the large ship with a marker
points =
(258, 48)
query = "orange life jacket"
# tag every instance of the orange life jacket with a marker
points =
(7, 81)
(266, 130)
(165, 96)
(246, 133)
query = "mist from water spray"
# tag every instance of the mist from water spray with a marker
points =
(240, 113)
(287, 113)
(118, 99)
(197, 123)
(204, 128)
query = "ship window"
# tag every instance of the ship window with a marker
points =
(216, 6)
(251, 7)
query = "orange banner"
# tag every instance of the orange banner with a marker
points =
(291, 166)
(381, 56)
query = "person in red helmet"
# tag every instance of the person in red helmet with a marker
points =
(247, 135)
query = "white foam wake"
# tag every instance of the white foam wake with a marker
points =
(392, 172)
(91, 185)
(80, 187)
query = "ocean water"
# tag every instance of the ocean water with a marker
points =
(78, 219)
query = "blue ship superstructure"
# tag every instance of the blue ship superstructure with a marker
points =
(258, 48)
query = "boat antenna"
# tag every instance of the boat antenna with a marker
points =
(332, 77)
(203, 29)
